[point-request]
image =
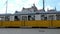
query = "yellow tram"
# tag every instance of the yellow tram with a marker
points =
(31, 18)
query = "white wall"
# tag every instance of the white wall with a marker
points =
(2, 18)
(24, 15)
(37, 17)
(11, 18)
(54, 16)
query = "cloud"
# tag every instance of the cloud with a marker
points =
(48, 7)
(29, 3)
(58, 3)
(3, 10)
(14, 5)
(24, 3)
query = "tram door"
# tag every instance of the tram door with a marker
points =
(16, 18)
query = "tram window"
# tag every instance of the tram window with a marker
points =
(0, 19)
(7, 18)
(51, 17)
(33, 18)
(58, 17)
(24, 17)
(42, 17)
(29, 17)
(16, 18)
(45, 18)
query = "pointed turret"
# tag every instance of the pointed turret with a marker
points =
(43, 6)
(55, 8)
(34, 7)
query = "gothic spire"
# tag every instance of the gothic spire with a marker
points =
(43, 6)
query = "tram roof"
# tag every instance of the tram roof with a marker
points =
(31, 13)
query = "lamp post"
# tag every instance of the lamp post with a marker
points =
(6, 5)
(6, 10)
(43, 5)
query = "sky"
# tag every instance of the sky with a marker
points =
(17, 5)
